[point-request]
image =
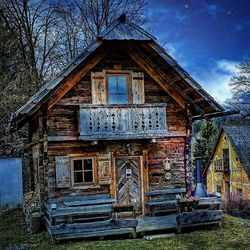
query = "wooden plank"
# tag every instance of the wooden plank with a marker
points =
(62, 138)
(89, 202)
(156, 223)
(104, 168)
(93, 226)
(63, 173)
(166, 191)
(162, 203)
(98, 87)
(97, 209)
(85, 197)
(138, 95)
(199, 216)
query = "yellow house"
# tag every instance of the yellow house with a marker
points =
(228, 170)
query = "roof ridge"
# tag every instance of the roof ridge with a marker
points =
(123, 19)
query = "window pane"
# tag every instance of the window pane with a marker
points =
(122, 84)
(77, 165)
(112, 99)
(88, 176)
(112, 85)
(78, 177)
(87, 164)
(122, 99)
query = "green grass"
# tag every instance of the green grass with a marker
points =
(230, 236)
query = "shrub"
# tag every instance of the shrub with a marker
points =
(237, 207)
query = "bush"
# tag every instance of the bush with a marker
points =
(237, 207)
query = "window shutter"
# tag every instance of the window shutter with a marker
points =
(138, 87)
(104, 167)
(63, 179)
(98, 88)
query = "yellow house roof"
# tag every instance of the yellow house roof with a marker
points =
(239, 136)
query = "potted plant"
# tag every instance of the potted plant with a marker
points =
(123, 207)
(188, 203)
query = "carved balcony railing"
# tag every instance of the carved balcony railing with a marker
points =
(126, 121)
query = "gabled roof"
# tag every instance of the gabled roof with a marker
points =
(120, 30)
(239, 137)
(123, 29)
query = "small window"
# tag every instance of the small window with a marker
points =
(236, 159)
(83, 170)
(225, 138)
(118, 89)
(225, 153)
(239, 193)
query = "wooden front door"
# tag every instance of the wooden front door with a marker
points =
(128, 184)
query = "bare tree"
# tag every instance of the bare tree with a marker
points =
(240, 85)
(34, 23)
(39, 37)
(84, 20)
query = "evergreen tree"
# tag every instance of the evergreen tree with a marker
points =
(205, 142)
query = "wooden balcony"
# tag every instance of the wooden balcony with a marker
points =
(126, 121)
(221, 165)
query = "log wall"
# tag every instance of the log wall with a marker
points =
(153, 155)
(62, 117)
(62, 120)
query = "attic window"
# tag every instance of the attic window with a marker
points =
(225, 138)
(118, 89)
(236, 159)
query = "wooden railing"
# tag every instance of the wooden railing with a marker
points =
(221, 165)
(130, 121)
(218, 165)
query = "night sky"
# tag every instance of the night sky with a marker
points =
(207, 38)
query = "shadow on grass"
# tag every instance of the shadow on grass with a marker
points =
(231, 236)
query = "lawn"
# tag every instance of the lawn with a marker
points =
(232, 235)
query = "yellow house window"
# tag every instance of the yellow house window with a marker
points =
(239, 193)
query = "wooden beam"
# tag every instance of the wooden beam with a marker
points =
(175, 79)
(72, 81)
(215, 114)
(145, 63)
(188, 90)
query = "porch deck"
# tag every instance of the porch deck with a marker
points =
(74, 217)
(156, 223)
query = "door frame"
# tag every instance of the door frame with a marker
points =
(141, 179)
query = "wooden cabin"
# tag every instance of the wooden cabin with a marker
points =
(228, 171)
(116, 121)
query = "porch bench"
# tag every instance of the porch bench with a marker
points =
(78, 216)
(86, 200)
(163, 200)
(79, 208)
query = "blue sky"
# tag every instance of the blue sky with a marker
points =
(208, 38)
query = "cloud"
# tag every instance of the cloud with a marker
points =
(217, 78)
